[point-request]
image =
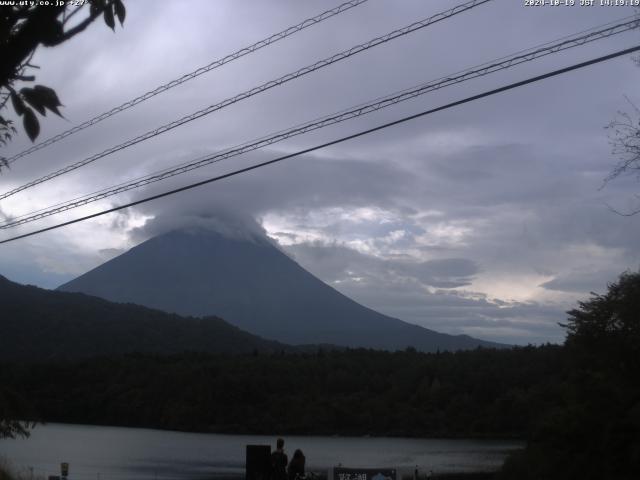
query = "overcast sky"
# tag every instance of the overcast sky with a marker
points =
(488, 219)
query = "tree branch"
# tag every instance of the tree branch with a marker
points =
(68, 17)
(79, 28)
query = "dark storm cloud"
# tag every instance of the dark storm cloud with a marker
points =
(233, 224)
(303, 183)
(336, 263)
(584, 280)
(446, 272)
(455, 312)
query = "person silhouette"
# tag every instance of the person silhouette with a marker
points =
(296, 465)
(279, 461)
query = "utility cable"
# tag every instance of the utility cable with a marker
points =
(505, 88)
(191, 75)
(362, 109)
(256, 90)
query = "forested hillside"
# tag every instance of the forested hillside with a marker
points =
(38, 324)
(355, 392)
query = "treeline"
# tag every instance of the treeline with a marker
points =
(352, 392)
(591, 430)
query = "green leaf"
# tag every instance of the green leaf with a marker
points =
(108, 18)
(31, 124)
(33, 99)
(95, 7)
(41, 97)
(121, 12)
(18, 104)
(49, 98)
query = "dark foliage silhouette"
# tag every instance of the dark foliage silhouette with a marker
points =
(23, 28)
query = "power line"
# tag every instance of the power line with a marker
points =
(362, 109)
(256, 90)
(505, 88)
(191, 75)
(473, 72)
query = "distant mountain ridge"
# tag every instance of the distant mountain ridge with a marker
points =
(38, 324)
(251, 284)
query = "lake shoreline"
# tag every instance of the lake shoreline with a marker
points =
(284, 433)
(147, 454)
(442, 476)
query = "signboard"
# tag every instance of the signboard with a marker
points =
(258, 462)
(340, 473)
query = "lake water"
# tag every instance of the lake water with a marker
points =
(103, 453)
